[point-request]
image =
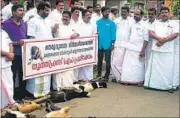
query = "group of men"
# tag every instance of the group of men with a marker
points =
(138, 52)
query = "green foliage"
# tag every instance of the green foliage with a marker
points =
(145, 12)
(131, 1)
(175, 7)
(22, 2)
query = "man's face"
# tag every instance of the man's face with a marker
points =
(2, 4)
(98, 8)
(76, 14)
(137, 15)
(90, 9)
(151, 15)
(87, 17)
(19, 13)
(124, 13)
(60, 6)
(106, 13)
(15, 1)
(65, 19)
(45, 12)
(115, 12)
(76, 4)
(164, 15)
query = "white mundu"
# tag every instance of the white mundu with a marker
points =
(39, 28)
(122, 33)
(6, 80)
(133, 69)
(149, 46)
(6, 11)
(160, 72)
(87, 71)
(66, 78)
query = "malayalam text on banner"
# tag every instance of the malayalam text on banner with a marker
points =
(43, 57)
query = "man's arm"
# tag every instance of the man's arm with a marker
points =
(10, 56)
(171, 37)
(142, 53)
(154, 36)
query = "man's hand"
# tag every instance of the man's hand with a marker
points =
(21, 42)
(10, 56)
(142, 54)
(161, 42)
(75, 35)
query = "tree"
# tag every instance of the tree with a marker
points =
(176, 7)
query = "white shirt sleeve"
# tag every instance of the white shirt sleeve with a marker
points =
(31, 30)
(6, 12)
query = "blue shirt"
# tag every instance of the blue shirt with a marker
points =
(15, 32)
(107, 33)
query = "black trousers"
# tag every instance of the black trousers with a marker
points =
(101, 53)
(18, 69)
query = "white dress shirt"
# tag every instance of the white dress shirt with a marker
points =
(40, 28)
(138, 33)
(30, 14)
(6, 11)
(55, 16)
(122, 31)
(163, 29)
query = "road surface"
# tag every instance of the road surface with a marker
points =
(124, 101)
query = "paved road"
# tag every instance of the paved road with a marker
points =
(124, 101)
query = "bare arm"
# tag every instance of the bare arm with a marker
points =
(4, 53)
(11, 48)
(171, 37)
(142, 53)
(154, 36)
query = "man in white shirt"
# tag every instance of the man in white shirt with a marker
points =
(75, 18)
(6, 11)
(56, 14)
(114, 13)
(149, 23)
(87, 71)
(122, 33)
(39, 27)
(76, 21)
(6, 80)
(96, 15)
(133, 68)
(160, 69)
(66, 78)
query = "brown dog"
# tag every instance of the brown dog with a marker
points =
(63, 113)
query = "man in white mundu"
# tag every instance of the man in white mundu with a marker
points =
(122, 35)
(39, 27)
(133, 69)
(149, 23)
(66, 78)
(86, 29)
(6, 80)
(160, 71)
(75, 23)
